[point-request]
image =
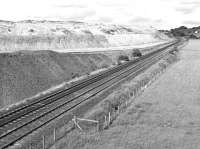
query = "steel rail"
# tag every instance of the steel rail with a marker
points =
(124, 73)
(32, 106)
(42, 103)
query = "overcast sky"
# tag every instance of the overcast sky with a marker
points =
(157, 13)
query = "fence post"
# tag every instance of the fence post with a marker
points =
(109, 118)
(43, 142)
(54, 134)
(76, 123)
(98, 126)
(105, 118)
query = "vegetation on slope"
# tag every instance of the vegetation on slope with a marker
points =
(24, 74)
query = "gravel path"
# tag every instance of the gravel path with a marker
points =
(167, 115)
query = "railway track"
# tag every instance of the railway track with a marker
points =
(22, 121)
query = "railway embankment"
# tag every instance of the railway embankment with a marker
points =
(28, 73)
(60, 127)
(114, 105)
(34, 58)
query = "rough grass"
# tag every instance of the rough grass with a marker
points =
(24, 74)
(91, 139)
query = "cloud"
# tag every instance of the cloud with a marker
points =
(83, 15)
(185, 10)
(106, 19)
(158, 21)
(172, 12)
(70, 6)
(197, 3)
(140, 20)
(145, 20)
(191, 22)
(112, 5)
(188, 7)
(79, 16)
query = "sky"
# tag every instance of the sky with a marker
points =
(161, 14)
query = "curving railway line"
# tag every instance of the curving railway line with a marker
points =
(21, 121)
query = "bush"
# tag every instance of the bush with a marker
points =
(31, 30)
(136, 53)
(122, 58)
(104, 65)
(162, 65)
(74, 75)
(87, 32)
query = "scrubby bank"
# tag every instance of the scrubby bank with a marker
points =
(24, 74)
(125, 95)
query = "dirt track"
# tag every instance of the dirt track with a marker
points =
(167, 115)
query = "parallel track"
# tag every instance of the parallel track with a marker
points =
(18, 123)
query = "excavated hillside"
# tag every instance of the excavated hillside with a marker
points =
(48, 35)
(29, 63)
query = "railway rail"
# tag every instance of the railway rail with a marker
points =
(21, 121)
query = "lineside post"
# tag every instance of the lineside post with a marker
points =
(43, 142)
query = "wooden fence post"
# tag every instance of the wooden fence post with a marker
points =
(54, 134)
(109, 118)
(43, 142)
(105, 118)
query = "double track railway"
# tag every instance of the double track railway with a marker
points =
(19, 122)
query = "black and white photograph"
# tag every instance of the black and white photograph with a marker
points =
(100, 74)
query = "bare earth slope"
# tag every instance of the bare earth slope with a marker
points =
(166, 115)
(52, 35)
